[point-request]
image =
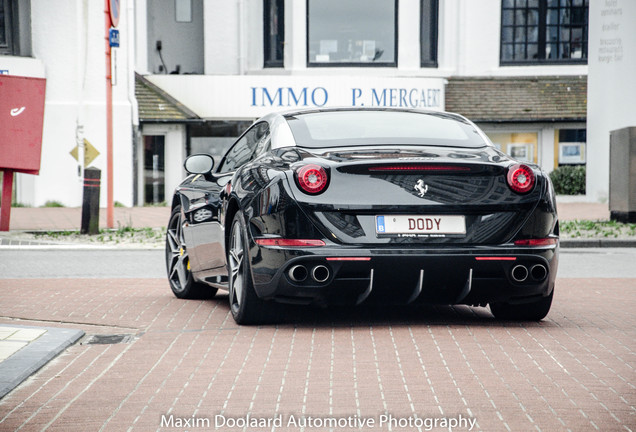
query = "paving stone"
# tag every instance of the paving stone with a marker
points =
(574, 370)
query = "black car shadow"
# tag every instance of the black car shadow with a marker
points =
(373, 314)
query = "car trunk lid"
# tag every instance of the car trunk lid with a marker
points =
(432, 195)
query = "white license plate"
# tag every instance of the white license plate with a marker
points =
(418, 224)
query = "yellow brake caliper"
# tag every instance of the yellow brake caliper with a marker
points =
(181, 252)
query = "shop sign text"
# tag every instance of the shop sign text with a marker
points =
(358, 97)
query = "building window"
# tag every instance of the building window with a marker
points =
(522, 146)
(6, 33)
(428, 30)
(352, 33)
(154, 169)
(544, 31)
(15, 27)
(183, 10)
(175, 45)
(571, 145)
(274, 30)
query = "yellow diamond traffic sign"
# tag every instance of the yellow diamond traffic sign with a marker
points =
(90, 153)
(74, 152)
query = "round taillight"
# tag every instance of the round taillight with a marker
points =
(521, 178)
(312, 179)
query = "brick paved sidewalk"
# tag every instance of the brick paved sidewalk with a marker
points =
(582, 211)
(162, 356)
(67, 218)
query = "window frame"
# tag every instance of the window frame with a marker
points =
(392, 64)
(433, 33)
(542, 38)
(267, 61)
(579, 140)
(260, 131)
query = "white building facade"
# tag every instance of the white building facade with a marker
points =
(227, 62)
(64, 43)
(235, 60)
(612, 86)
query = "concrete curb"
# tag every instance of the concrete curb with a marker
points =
(79, 246)
(18, 245)
(36, 354)
(598, 243)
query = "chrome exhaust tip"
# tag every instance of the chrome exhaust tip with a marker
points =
(320, 273)
(519, 273)
(297, 273)
(538, 272)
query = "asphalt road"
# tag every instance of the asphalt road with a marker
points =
(74, 263)
(92, 263)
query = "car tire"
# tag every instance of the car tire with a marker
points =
(180, 277)
(246, 307)
(534, 311)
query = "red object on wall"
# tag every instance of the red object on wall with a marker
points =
(114, 9)
(21, 121)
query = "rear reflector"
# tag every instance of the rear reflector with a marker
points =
(418, 167)
(289, 242)
(496, 258)
(349, 259)
(536, 242)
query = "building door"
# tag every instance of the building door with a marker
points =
(154, 169)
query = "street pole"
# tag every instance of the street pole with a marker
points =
(109, 122)
(7, 196)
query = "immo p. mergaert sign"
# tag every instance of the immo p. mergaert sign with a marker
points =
(393, 97)
(253, 96)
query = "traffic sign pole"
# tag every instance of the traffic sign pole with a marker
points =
(90, 201)
(7, 195)
(110, 223)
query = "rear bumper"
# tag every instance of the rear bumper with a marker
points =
(475, 275)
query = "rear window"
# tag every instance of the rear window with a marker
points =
(350, 128)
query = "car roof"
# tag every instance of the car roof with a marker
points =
(300, 111)
(282, 135)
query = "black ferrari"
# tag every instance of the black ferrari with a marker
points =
(345, 206)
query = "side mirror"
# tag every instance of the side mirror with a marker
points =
(199, 164)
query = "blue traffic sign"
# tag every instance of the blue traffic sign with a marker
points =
(113, 38)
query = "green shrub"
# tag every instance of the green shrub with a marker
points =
(569, 180)
(53, 204)
(159, 204)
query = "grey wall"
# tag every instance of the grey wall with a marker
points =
(182, 42)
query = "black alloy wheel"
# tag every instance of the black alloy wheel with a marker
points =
(245, 306)
(180, 277)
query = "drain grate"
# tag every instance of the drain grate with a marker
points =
(109, 339)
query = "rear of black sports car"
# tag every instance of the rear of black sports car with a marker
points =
(443, 224)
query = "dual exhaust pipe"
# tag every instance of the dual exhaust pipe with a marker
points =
(300, 273)
(320, 273)
(520, 273)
